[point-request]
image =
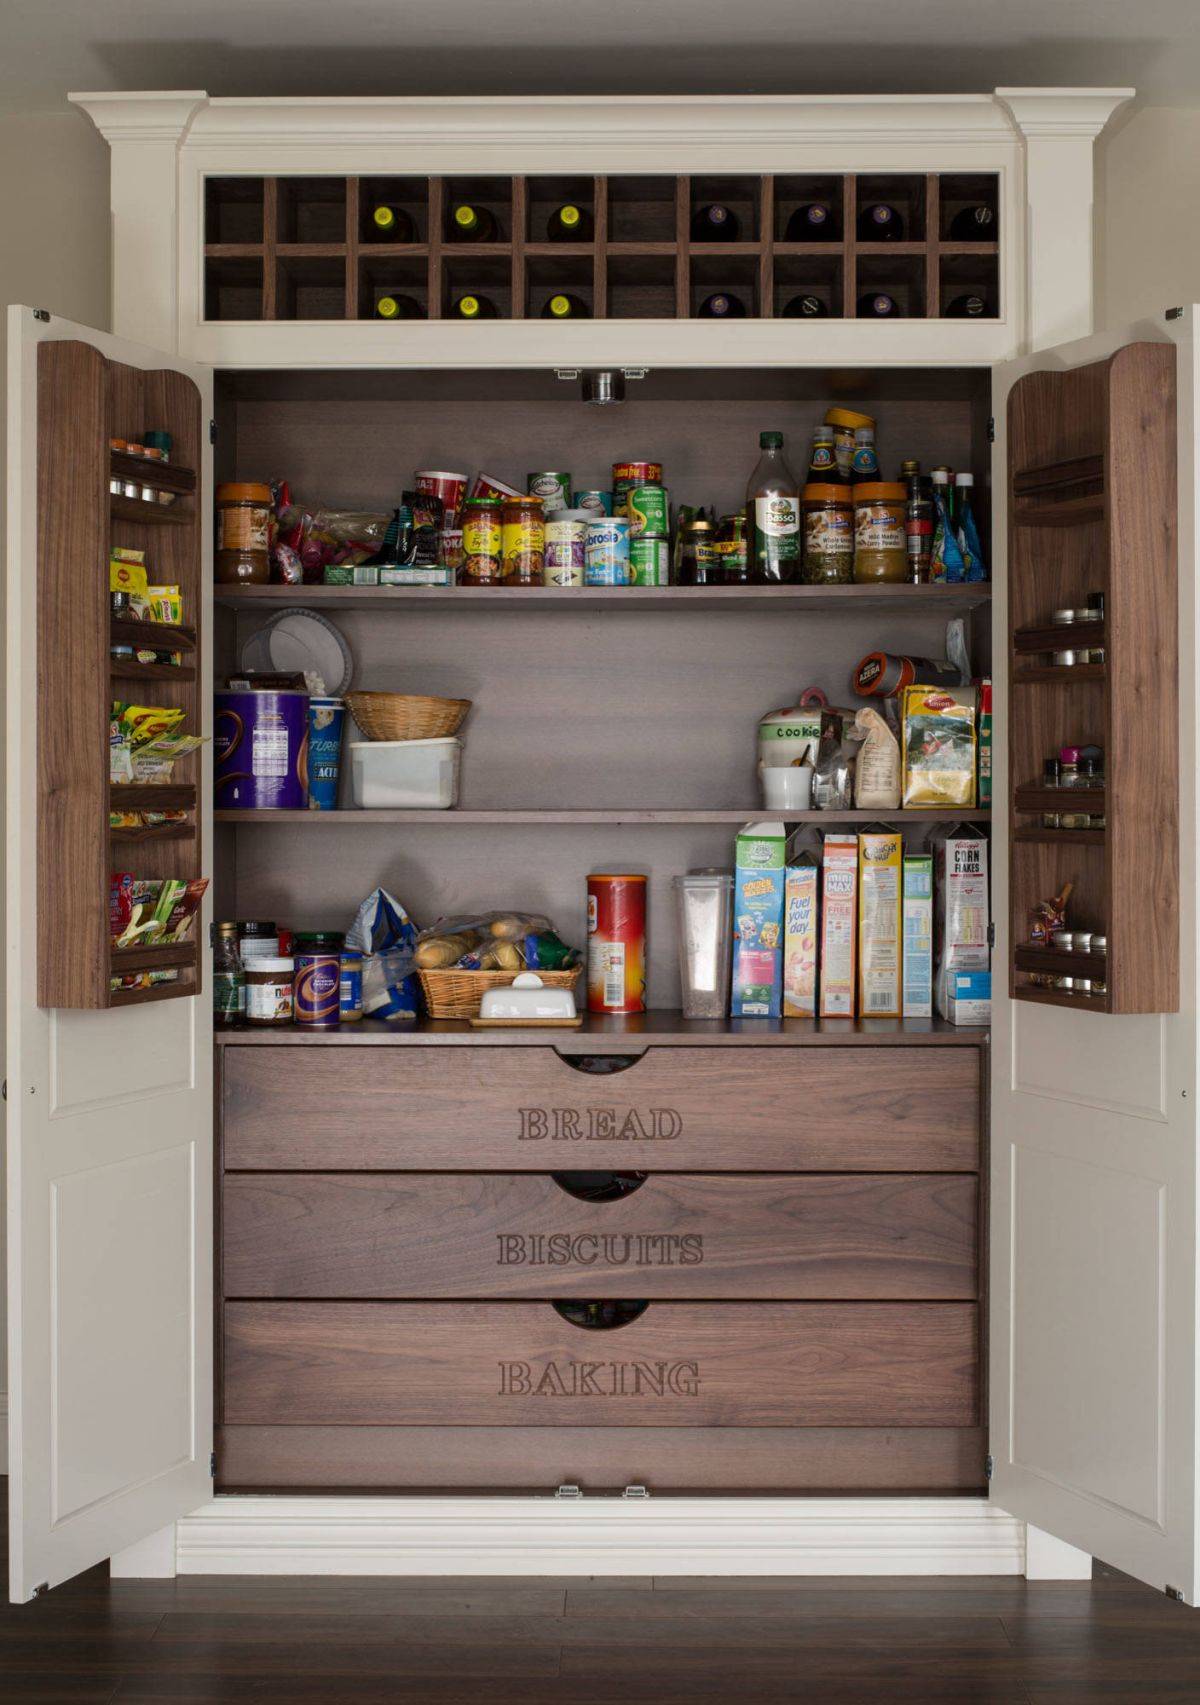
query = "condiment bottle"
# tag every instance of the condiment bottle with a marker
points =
(1068, 757)
(866, 463)
(229, 978)
(822, 462)
(845, 423)
(918, 527)
(773, 515)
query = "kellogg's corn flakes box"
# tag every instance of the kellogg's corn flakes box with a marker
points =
(758, 893)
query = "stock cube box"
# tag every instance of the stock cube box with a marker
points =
(758, 921)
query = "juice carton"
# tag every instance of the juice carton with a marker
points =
(839, 919)
(800, 937)
(918, 935)
(879, 901)
(758, 921)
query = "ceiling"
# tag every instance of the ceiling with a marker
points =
(445, 47)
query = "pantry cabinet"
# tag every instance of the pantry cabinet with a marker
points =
(879, 1257)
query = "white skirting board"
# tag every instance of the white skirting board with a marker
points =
(599, 1536)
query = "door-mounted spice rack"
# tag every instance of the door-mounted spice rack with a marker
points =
(308, 248)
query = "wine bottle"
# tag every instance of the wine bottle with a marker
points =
(968, 307)
(804, 308)
(474, 307)
(471, 224)
(876, 305)
(561, 306)
(569, 224)
(393, 225)
(719, 306)
(974, 225)
(810, 224)
(398, 307)
(715, 223)
(880, 223)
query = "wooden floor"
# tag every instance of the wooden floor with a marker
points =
(577, 1641)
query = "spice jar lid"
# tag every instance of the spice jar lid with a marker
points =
(483, 502)
(1069, 754)
(879, 491)
(257, 926)
(243, 493)
(846, 417)
(319, 941)
(818, 493)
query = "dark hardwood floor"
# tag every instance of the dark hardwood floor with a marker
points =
(980, 1641)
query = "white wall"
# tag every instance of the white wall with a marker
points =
(55, 255)
(1148, 214)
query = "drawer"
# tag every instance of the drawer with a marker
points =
(677, 1365)
(678, 1235)
(828, 1109)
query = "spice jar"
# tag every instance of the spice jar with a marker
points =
(822, 462)
(699, 563)
(243, 535)
(845, 423)
(268, 991)
(523, 540)
(483, 536)
(880, 543)
(828, 535)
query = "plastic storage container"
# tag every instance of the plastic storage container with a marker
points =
(405, 774)
(705, 921)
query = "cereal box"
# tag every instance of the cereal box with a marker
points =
(918, 935)
(758, 921)
(879, 871)
(961, 870)
(800, 937)
(839, 920)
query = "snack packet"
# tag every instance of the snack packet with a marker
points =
(384, 934)
(939, 746)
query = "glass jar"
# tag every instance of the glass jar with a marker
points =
(243, 535)
(732, 549)
(699, 563)
(828, 535)
(483, 536)
(880, 542)
(257, 939)
(523, 540)
(229, 978)
(269, 991)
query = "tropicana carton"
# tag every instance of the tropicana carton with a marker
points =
(839, 921)
(758, 921)
(879, 902)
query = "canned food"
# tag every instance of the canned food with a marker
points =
(649, 510)
(452, 547)
(553, 489)
(1065, 659)
(482, 542)
(350, 987)
(596, 502)
(483, 485)
(523, 541)
(616, 960)
(649, 562)
(317, 990)
(628, 474)
(566, 530)
(606, 552)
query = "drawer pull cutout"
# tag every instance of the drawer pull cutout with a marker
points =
(600, 1065)
(600, 1316)
(599, 1186)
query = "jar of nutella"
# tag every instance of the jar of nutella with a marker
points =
(269, 991)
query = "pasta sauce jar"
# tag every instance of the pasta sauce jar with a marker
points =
(243, 535)
(482, 542)
(880, 539)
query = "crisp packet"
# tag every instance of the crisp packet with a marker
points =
(385, 934)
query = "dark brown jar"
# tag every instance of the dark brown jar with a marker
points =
(243, 535)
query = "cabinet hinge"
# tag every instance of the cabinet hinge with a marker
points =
(991, 936)
(991, 429)
(1174, 314)
(1174, 1592)
(636, 1492)
(989, 1466)
(212, 431)
(212, 1465)
(42, 1587)
(567, 1492)
(42, 314)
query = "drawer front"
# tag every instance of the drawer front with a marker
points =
(908, 1109)
(677, 1236)
(677, 1365)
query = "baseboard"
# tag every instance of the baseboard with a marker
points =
(599, 1536)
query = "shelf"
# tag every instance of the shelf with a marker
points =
(1053, 961)
(131, 671)
(145, 514)
(151, 796)
(1067, 636)
(1092, 799)
(154, 832)
(565, 819)
(624, 1035)
(163, 476)
(158, 992)
(1054, 476)
(638, 598)
(1061, 997)
(162, 636)
(1063, 672)
(168, 955)
(1064, 837)
(1061, 512)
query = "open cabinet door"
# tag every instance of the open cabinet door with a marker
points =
(110, 1101)
(1093, 1347)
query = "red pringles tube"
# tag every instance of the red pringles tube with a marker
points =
(616, 957)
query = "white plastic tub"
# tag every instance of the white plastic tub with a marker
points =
(405, 774)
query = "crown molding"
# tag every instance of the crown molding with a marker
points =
(1062, 112)
(145, 115)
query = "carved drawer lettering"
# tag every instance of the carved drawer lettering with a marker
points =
(600, 1124)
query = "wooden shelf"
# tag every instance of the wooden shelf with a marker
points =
(152, 796)
(549, 818)
(1068, 636)
(157, 992)
(1055, 476)
(1064, 672)
(154, 832)
(163, 476)
(1093, 799)
(162, 636)
(1060, 512)
(1062, 837)
(1054, 961)
(637, 598)
(165, 956)
(1061, 997)
(132, 671)
(146, 514)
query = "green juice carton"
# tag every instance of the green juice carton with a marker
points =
(758, 895)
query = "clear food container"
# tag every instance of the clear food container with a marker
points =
(704, 901)
(405, 774)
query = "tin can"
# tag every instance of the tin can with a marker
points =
(628, 474)
(350, 986)
(316, 990)
(649, 562)
(483, 485)
(482, 542)
(523, 541)
(649, 510)
(553, 489)
(451, 546)
(450, 489)
(596, 502)
(606, 552)
(566, 530)
(261, 744)
(616, 957)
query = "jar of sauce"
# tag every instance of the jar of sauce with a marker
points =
(880, 541)
(482, 543)
(828, 535)
(523, 541)
(243, 535)
(269, 991)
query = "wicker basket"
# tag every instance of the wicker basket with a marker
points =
(406, 716)
(459, 994)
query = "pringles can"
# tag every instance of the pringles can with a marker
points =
(316, 988)
(616, 953)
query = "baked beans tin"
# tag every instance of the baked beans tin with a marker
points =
(566, 530)
(628, 474)
(595, 502)
(482, 542)
(649, 510)
(483, 485)
(553, 489)
(616, 955)
(523, 541)
(649, 562)
(606, 551)
(316, 991)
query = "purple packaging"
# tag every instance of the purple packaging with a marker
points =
(261, 745)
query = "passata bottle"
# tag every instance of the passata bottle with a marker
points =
(773, 515)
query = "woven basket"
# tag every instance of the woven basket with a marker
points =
(406, 716)
(459, 994)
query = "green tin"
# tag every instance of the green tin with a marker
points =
(649, 562)
(649, 510)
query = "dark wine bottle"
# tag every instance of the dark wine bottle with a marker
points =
(561, 306)
(569, 223)
(394, 306)
(720, 306)
(876, 305)
(474, 307)
(968, 307)
(880, 223)
(804, 308)
(974, 225)
(715, 223)
(393, 225)
(811, 223)
(471, 224)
